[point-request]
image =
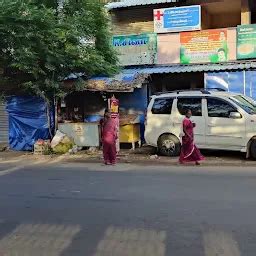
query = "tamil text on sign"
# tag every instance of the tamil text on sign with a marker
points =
(176, 19)
(246, 41)
(204, 46)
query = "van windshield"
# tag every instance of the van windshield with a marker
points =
(245, 103)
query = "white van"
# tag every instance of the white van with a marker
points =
(224, 121)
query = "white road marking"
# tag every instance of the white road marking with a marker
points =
(20, 166)
(75, 191)
(10, 170)
(220, 243)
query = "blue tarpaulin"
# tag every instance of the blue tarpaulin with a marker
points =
(243, 82)
(28, 121)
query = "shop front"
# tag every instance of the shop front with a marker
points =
(242, 80)
(199, 59)
(167, 60)
(80, 113)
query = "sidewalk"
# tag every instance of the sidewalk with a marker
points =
(142, 156)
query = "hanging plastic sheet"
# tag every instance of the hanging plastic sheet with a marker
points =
(28, 122)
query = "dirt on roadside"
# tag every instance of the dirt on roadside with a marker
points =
(144, 156)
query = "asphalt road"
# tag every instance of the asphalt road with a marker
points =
(66, 210)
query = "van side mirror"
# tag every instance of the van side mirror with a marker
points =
(235, 115)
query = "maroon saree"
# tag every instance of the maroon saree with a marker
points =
(189, 151)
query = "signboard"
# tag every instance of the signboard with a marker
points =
(176, 19)
(136, 49)
(78, 130)
(113, 106)
(246, 41)
(204, 46)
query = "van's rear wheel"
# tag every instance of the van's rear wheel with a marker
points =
(169, 145)
(253, 149)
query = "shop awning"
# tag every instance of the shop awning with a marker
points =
(126, 81)
(130, 78)
(131, 3)
(194, 68)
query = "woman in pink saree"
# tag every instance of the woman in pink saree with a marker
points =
(109, 137)
(189, 151)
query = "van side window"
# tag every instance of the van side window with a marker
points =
(162, 106)
(219, 108)
(194, 104)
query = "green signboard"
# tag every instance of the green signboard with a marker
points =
(246, 42)
(136, 49)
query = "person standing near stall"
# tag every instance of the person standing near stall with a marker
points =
(109, 137)
(113, 105)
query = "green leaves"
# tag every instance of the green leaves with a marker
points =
(40, 46)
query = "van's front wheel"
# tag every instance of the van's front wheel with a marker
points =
(253, 149)
(169, 145)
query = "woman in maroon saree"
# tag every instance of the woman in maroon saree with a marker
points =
(189, 151)
(109, 137)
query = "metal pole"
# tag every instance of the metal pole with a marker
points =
(244, 82)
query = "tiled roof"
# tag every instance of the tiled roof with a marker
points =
(131, 3)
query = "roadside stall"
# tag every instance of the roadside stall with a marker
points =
(80, 113)
(129, 129)
(128, 124)
(73, 121)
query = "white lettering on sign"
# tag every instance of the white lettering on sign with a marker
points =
(125, 42)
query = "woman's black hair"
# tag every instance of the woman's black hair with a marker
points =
(222, 50)
(187, 110)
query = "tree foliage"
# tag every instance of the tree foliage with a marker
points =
(42, 43)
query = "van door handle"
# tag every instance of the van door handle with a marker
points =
(211, 125)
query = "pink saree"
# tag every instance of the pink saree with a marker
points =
(109, 136)
(189, 151)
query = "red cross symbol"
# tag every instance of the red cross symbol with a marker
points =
(158, 15)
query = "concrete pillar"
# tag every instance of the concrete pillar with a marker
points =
(206, 18)
(245, 12)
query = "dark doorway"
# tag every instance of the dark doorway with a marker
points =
(254, 17)
(178, 81)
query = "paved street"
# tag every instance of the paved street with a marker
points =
(127, 210)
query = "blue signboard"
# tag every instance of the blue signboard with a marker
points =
(186, 18)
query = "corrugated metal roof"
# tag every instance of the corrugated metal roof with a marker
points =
(192, 68)
(130, 3)
(125, 76)
(130, 78)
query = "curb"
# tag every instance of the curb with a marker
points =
(127, 159)
(150, 162)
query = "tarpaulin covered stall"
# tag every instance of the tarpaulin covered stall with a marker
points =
(28, 121)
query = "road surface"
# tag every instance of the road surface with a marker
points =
(127, 210)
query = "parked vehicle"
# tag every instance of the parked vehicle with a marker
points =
(224, 121)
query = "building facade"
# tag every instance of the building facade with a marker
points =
(183, 44)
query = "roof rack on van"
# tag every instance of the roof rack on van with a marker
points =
(203, 91)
